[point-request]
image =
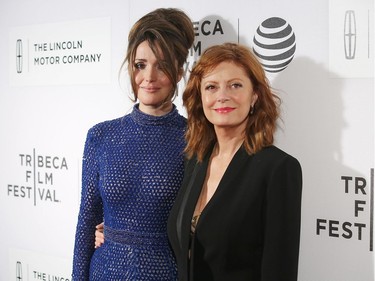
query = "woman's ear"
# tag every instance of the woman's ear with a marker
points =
(254, 98)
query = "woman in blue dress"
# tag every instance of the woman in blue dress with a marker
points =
(133, 166)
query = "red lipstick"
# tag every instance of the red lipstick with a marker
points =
(224, 109)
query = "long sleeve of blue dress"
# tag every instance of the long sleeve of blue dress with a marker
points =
(91, 210)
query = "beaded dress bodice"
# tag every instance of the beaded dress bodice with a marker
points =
(132, 170)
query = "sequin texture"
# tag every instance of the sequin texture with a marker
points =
(131, 172)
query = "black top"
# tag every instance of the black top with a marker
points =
(250, 229)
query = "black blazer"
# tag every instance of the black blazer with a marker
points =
(250, 229)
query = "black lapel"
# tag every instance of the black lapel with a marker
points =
(182, 207)
(188, 202)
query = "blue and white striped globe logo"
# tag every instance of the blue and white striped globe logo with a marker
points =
(274, 44)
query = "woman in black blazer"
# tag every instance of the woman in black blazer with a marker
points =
(237, 214)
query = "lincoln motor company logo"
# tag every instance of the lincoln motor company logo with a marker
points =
(19, 56)
(274, 44)
(33, 274)
(350, 35)
(19, 276)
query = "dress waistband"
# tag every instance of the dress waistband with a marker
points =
(137, 239)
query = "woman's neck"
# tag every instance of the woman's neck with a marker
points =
(228, 142)
(156, 110)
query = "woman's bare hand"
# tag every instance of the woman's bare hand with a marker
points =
(99, 235)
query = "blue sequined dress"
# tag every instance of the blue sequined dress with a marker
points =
(132, 170)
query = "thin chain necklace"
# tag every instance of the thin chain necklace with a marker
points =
(194, 220)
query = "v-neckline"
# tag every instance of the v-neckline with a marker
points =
(207, 161)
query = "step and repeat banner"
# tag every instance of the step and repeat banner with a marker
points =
(59, 75)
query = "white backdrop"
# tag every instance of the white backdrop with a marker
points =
(59, 76)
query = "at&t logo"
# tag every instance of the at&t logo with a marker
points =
(274, 44)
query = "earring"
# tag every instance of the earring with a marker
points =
(251, 110)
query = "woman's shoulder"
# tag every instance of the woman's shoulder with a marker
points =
(107, 124)
(273, 154)
(274, 163)
(105, 128)
(178, 119)
(181, 120)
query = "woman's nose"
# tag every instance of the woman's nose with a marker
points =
(222, 95)
(150, 74)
